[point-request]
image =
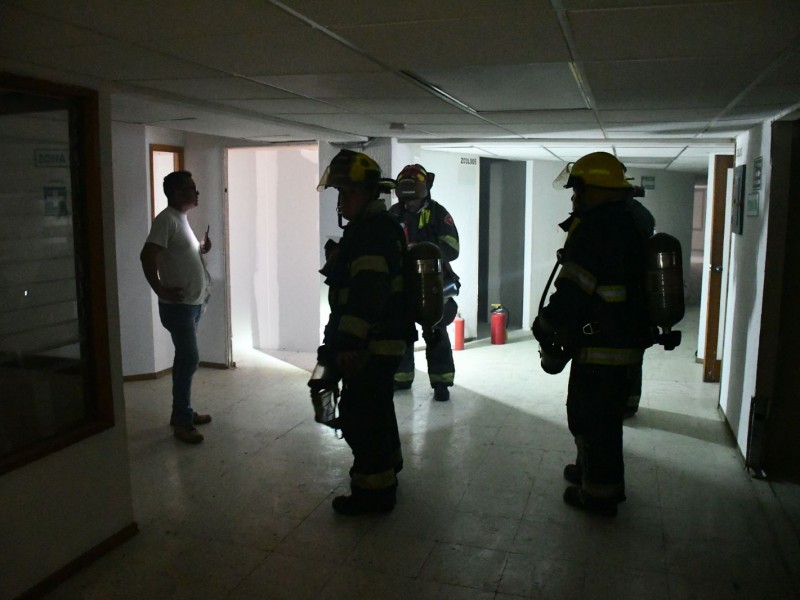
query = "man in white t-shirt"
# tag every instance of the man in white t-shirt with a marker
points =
(176, 271)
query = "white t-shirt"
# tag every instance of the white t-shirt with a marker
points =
(180, 264)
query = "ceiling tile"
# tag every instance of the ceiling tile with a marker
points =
(16, 26)
(412, 12)
(510, 87)
(114, 62)
(706, 30)
(382, 84)
(656, 76)
(296, 50)
(286, 106)
(215, 88)
(430, 105)
(158, 19)
(463, 42)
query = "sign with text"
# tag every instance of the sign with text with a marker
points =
(51, 158)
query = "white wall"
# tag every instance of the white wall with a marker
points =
(456, 187)
(745, 292)
(243, 246)
(204, 157)
(672, 205)
(131, 195)
(548, 207)
(59, 507)
(147, 347)
(289, 192)
(274, 245)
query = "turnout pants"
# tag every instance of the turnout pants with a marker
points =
(369, 425)
(438, 353)
(595, 404)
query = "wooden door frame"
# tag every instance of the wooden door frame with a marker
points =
(177, 164)
(712, 365)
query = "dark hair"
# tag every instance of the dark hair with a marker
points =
(173, 181)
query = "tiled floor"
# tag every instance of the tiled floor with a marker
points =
(247, 514)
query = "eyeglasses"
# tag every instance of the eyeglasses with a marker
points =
(187, 189)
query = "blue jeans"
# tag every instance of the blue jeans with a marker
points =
(181, 321)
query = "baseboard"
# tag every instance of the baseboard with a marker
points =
(49, 583)
(211, 365)
(159, 374)
(147, 376)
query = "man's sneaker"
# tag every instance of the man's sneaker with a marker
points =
(189, 435)
(572, 473)
(441, 393)
(402, 385)
(200, 419)
(197, 419)
(575, 496)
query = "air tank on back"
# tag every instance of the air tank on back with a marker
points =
(426, 283)
(664, 287)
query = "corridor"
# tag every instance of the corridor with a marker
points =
(247, 514)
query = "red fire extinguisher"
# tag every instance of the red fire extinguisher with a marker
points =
(499, 324)
(458, 323)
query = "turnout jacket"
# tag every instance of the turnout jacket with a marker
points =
(598, 311)
(366, 296)
(432, 223)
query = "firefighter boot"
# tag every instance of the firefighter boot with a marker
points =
(361, 501)
(440, 392)
(575, 496)
(573, 474)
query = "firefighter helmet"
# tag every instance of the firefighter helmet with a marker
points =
(414, 182)
(349, 168)
(598, 169)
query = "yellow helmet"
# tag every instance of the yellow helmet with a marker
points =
(354, 168)
(598, 169)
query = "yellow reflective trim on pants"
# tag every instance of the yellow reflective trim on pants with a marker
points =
(609, 356)
(612, 293)
(387, 347)
(374, 481)
(369, 262)
(404, 376)
(354, 326)
(441, 377)
(580, 276)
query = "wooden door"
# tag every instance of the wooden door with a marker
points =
(711, 364)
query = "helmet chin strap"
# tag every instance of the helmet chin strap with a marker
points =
(339, 214)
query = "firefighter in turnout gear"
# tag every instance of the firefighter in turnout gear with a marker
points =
(425, 220)
(598, 315)
(367, 332)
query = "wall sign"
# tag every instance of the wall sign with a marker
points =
(51, 158)
(648, 182)
(55, 201)
(753, 201)
(758, 166)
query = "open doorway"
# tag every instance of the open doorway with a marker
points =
(502, 241)
(163, 161)
(273, 248)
